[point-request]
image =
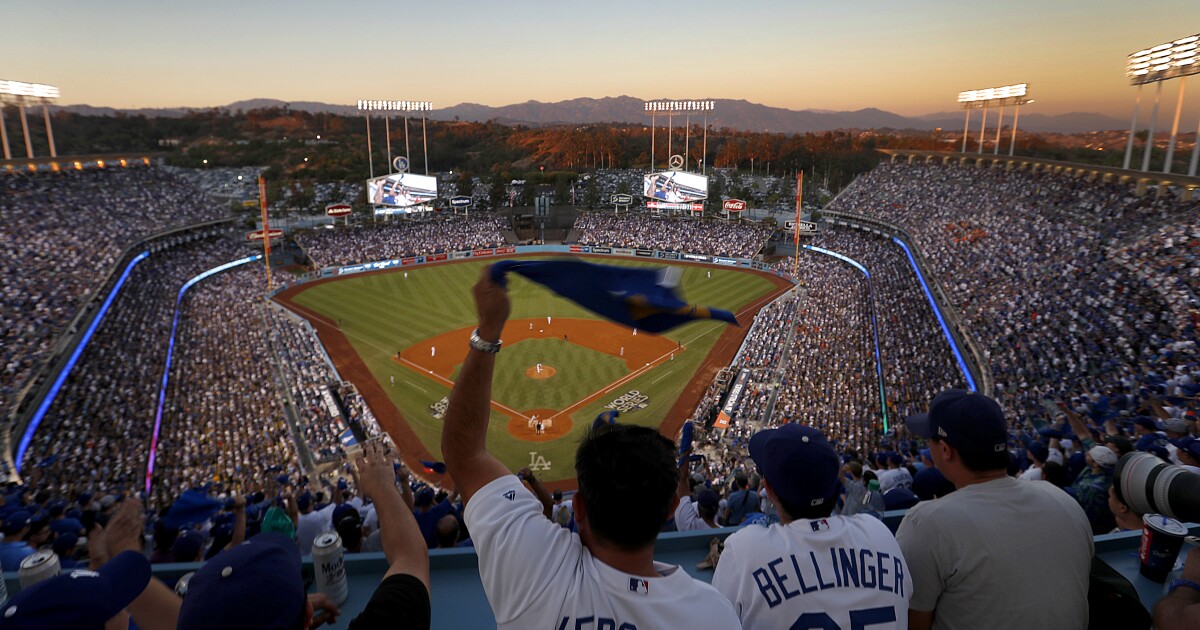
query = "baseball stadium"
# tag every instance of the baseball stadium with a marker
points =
(376, 384)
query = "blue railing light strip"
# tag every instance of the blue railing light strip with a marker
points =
(162, 390)
(51, 395)
(874, 324)
(937, 312)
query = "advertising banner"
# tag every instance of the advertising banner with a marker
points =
(697, 257)
(621, 251)
(663, 205)
(257, 235)
(482, 252)
(576, 249)
(459, 255)
(668, 255)
(601, 250)
(731, 401)
(338, 209)
(724, 261)
(733, 205)
(644, 252)
(621, 199)
(505, 250)
(408, 261)
(435, 257)
(675, 186)
(460, 201)
(402, 190)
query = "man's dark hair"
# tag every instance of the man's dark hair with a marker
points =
(1056, 474)
(808, 511)
(447, 531)
(627, 479)
(978, 460)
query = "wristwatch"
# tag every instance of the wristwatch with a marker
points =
(477, 343)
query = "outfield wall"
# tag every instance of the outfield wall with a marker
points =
(521, 250)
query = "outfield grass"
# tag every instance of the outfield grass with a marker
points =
(386, 312)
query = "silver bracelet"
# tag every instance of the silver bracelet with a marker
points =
(477, 343)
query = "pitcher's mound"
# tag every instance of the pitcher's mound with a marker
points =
(525, 428)
(547, 372)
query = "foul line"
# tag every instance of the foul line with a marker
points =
(450, 383)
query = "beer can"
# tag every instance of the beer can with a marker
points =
(182, 585)
(38, 566)
(329, 563)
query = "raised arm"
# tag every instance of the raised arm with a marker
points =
(464, 433)
(403, 543)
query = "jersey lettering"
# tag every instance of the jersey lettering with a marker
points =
(594, 623)
(859, 619)
(842, 568)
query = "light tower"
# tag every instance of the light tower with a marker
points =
(1175, 59)
(24, 94)
(984, 99)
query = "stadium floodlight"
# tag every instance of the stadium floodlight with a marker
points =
(1176, 59)
(671, 108)
(1001, 97)
(25, 93)
(28, 90)
(387, 106)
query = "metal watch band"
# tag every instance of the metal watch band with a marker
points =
(477, 343)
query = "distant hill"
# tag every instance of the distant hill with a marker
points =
(735, 114)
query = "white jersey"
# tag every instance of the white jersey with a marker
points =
(687, 516)
(312, 525)
(539, 575)
(836, 572)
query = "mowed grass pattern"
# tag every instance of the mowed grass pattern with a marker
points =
(385, 312)
(579, 372)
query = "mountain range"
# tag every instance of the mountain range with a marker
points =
(735, 114)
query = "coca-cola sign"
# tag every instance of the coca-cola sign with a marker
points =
(734, 205)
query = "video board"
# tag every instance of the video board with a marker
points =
(402, 190)
(675, 186)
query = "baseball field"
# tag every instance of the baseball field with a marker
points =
(400, 335)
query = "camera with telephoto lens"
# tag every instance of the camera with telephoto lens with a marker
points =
(1148, 485)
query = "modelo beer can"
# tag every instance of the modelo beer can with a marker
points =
(330, 567)
(38, 566)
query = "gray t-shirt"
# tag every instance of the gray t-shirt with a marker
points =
(1002, 554)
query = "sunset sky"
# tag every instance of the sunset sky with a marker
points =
(908, 57)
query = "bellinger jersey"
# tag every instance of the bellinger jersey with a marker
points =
(539, 575)
(837, 572)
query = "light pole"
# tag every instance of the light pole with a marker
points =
(671, 108)
(23, 94)
(1179, 59)
(1001, 97)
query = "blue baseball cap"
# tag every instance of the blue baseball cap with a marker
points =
(15, 522)
(799, 464)
(1189, 445)
(79, 600)
(256, 584)
(1038, 451)
(968, 421)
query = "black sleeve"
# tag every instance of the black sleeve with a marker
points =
(400, 602)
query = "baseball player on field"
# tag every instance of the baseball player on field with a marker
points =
(537, 574)
(812, 569)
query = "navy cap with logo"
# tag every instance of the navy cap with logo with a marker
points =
(256, 584)
(968, 421)
(79, 600)
(17, 521)
(799, 464)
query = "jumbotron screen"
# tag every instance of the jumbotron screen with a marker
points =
(675, 186)
(402, 190)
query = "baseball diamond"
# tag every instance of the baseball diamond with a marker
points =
(412, 330)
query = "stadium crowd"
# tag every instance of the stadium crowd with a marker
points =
(55, 260)
(403, 238)
(1068, 311)
(721, 238)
